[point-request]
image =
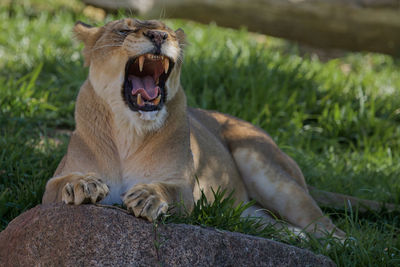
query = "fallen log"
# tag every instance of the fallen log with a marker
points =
(356, 25)
(343, 202)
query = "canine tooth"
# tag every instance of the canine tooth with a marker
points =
(141, 62)
(157, 100)
(139, 100)
(166, 65)
(158, 79)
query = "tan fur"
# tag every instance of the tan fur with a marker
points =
(148, 165)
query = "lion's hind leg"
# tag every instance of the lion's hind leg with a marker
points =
(268, 219)
(274, 189)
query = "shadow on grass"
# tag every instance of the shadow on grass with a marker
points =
(27, 161)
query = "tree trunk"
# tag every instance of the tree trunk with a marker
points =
(357, 25)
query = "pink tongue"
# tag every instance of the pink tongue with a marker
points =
(145, 86)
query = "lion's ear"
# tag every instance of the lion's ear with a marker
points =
(180, 34)
(88, 35)
(84, 32)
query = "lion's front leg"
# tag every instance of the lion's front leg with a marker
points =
(75, 188)
(152, 200)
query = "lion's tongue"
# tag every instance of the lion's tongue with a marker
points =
(146, 86)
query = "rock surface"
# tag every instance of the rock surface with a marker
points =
(88, 235)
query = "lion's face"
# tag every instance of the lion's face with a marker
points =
(134, 65)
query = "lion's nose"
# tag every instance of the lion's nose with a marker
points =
(157, 37)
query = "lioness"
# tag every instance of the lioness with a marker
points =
(137, 143)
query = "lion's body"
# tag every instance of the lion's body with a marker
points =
(114, 156)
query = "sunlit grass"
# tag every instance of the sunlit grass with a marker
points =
(338, 119)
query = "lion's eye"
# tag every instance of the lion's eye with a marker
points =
(123, 32)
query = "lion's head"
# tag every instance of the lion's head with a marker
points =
(135, 66)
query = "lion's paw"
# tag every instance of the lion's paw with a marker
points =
(87, 189)
(144, 201)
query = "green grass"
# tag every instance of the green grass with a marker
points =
(340, 120)
(358, 250)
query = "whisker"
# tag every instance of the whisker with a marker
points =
(162, 12)
(121, 40)
(111, 45)
(131, 14)
(104, 46)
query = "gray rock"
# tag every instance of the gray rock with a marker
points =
(88, 235)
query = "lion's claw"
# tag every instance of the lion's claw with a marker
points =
(144, 201)
(87, 189)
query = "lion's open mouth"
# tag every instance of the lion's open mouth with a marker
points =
(145, 79)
